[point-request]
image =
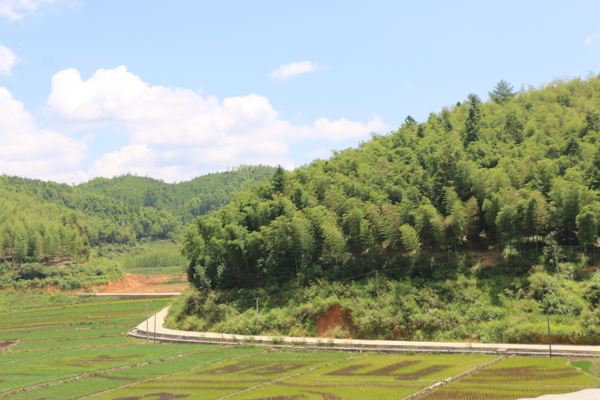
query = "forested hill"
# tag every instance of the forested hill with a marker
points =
(186, 199)
(47, 220)
(516, 173)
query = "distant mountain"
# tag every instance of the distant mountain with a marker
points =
(186, 199)
(50, 220)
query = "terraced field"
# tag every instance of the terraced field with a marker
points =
(82, 351)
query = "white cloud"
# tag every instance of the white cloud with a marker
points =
(32, 152)
(8, 59)
(595, 38)
(321, 153)
(17, 9)
(293, 69)
(178, 133)
(342, 129)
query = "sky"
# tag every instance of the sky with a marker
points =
(179, 89)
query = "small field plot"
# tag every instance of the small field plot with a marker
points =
(517, 377)
(369, 377)
(103, 382)
(228, 377)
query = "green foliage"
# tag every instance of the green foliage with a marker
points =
(75, 276)
(502, 92)
(148, 257)
(592, 291)
(517, 173)
(184, 200)
(410, 238)
(50, 222)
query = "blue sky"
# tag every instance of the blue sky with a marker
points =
(178, 89)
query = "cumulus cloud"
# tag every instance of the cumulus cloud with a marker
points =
(178, 133)
(8, 59)
(595, 38)
(17, 9)
(30, 151)
(289, 70)
(343, 129)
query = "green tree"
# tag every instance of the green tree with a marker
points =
(472, 122)
(514, 128)
(502, 92)
(279, 180)
(425, 215)
(472, 225)
(592, 121)
(410, 239)
(535, 219)
(508, 222)
(587, 226)
(334, 245)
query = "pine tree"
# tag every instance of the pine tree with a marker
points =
(472, 122)
(502, 92)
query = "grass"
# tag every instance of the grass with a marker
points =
(175, 270)
(583, 365)
(151, 258)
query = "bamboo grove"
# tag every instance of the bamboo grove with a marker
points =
(515, 173)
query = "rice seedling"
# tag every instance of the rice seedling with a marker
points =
(517, 377)
(217, 380)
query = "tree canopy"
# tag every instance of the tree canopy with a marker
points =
(47, 220)
(517, 171)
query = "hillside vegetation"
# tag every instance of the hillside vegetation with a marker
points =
(518, 172)
(52, 222)
(484, 218)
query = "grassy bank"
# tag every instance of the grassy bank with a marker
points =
(493, 309)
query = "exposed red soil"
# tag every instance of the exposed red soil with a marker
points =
(144, 284)
(561, 340)
(336, 318)
(136, 284)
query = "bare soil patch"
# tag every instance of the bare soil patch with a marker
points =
(334, 319)
(4, 345)
(145, 284)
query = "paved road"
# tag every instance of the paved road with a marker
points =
(146, 329)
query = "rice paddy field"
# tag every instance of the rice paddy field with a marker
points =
(81, 350)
